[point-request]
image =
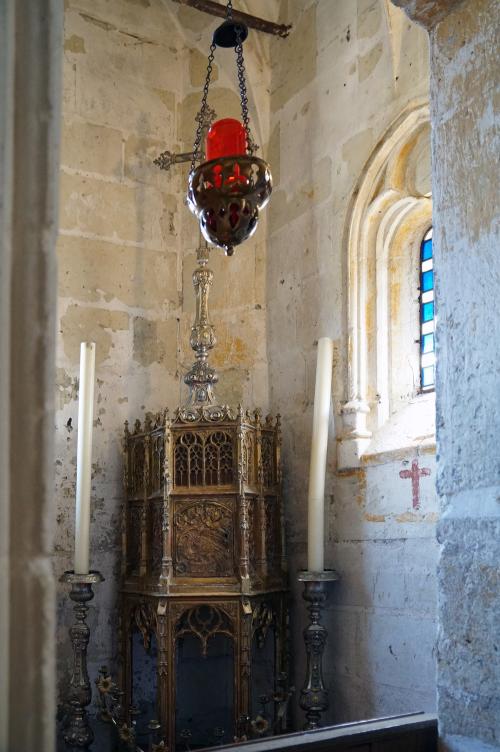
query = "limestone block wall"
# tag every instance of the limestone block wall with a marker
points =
(464, 96)
(133, 74)
(345, 74)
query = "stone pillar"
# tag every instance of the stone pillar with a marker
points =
(464, 82)
(30, 91)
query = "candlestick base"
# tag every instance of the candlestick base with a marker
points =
(78, 733)
(314, 695)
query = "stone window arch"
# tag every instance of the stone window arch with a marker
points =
(390, 212)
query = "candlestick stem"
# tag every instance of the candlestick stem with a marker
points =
(314, 695)
(78, 733)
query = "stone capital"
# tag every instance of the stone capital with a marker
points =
(427, 13)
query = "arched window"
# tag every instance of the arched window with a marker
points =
(427, 315)
(390, 357)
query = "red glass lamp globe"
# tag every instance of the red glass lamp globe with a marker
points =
(226, 138)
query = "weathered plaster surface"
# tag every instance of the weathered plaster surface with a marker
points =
(133, 74)
(464, 100)
(345, 74)
(427, 12)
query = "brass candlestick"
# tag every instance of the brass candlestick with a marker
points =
(314, 695)
(78, 732)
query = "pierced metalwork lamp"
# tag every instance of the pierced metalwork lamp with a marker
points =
(227, 191)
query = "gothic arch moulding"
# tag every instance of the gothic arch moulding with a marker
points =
(390, 211)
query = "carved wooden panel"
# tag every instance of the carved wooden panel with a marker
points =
(249, 459)
(136, 470)
(219, 459)
(263, 617)
(253, 535)
(204, 621)
(157, 462)
(143, 616)
(214, 531)
(155, 535)
(268, 464)
(204, 459)
(204, 538)
(134, 538)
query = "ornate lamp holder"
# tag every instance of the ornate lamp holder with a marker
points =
(78, 733)
(227, 191)
(314, 695)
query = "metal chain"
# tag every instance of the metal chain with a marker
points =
(240, 66)
(201, 116)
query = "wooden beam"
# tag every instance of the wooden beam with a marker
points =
(260, 24)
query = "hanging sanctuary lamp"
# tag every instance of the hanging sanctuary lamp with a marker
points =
(227, 191)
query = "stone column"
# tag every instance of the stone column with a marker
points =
(30, 91)
(465, 187)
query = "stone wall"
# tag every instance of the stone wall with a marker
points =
(464, 97)
(347, 73)
(133, 74)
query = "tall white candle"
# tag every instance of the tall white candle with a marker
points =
(84, 456)
(319, 445)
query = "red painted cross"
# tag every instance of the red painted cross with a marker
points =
(415, 474)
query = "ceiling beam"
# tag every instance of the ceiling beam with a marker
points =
(260, 24)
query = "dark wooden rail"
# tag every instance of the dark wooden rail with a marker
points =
(403, 733)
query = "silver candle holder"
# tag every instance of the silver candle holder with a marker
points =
(314, 695)
(78, 733)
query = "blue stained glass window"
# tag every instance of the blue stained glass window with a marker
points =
(427, 341)
(427, 312)
(427, 249)
(427, 280)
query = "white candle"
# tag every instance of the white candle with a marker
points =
(84, 456)
(319, 445)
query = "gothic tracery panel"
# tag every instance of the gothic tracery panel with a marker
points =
(156, 536)
(253, 537)
(268, 469)
(204, 459)
(157, 462)
(249, 459)
(134, 538)
(205, 621)
(137, 468)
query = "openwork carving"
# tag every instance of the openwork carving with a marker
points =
(157, 462)
(218, 459)
(204, 460)
(137, 468)
(268, 469)
(202, 549)
(204, 540)
(143, 616)
(226, 195)
(253, 522)
(272, 531)
(249, 459)
(134, 538)
(204, 622)
(156, 537)
(263, 617)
